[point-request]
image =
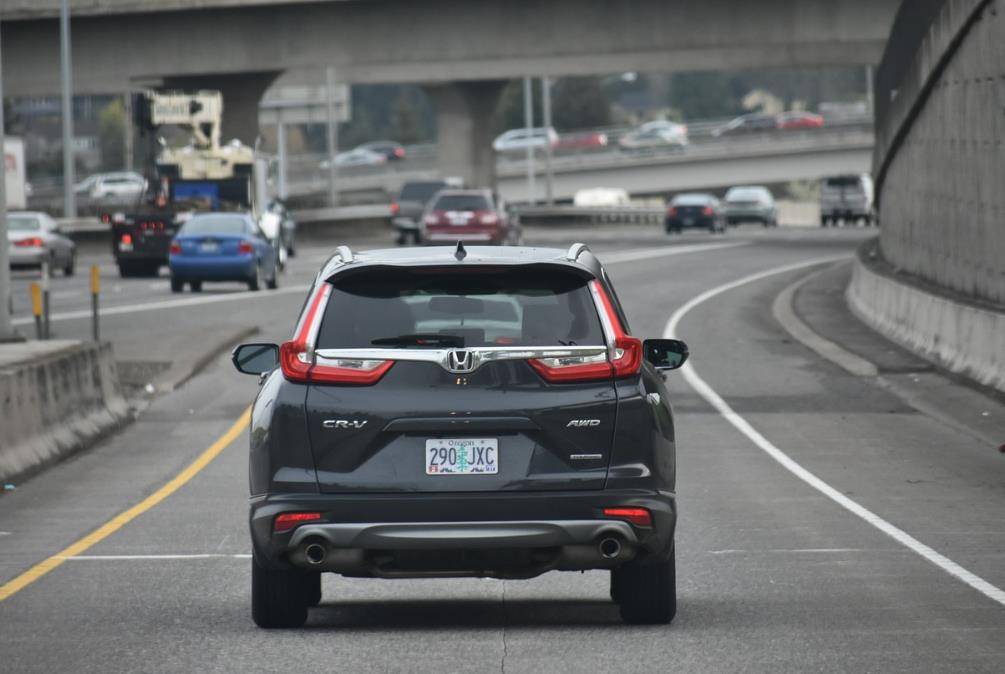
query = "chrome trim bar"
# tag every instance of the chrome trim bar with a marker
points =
(479, 355)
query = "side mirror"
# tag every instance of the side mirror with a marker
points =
(255, 358)
(665, 354)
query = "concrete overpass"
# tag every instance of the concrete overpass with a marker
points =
(463, 52)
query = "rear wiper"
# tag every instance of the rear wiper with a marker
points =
(421, 339)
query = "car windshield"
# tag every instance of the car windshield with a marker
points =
(215, 224)
(462, 202)
(421, 192)
(435, 308)
(24, 223)
(746, 195)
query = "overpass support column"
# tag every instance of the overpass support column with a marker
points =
(464, 125)
(242, 93)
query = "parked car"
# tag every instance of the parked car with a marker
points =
(124, 186)
(584, 140)
(391, 150)
(222, 247)
(694, 210)
(456, 413)
(355, 158)
(407, 209)
(35, 238)
(520, 139)
(751, 203)
(658, 133)
(753, 123)
(594, 197)
(797, 119)
(476, 216)
(848, 198)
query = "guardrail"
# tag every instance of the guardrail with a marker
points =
(589, 215)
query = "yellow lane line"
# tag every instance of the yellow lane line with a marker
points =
(111, 526)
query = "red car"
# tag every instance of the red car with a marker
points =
(585, 140)
(471, 216)
(799, 120)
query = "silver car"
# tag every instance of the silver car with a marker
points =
(35, 238)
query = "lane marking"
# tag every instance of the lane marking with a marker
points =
(741, 424)
(130, 558)
(111, 526)
(647, 253)
(737, 551)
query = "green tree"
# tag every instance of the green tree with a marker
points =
(111, 135)
(580, 103)
(405, 117)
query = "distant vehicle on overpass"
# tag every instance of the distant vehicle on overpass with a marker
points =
(752, 123)
(391, 150)
(581, 140)
(848, 198)
(654, 134)
(751, 203)
(595, 197)
(356, 158)
(800, 119)
(695, 210)
(516, 140)
(125, 186)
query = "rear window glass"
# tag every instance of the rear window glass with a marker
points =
(420, 191)
(215, 224)
(488, 307)
(461, 202)
(843, 181)
(692, 200)
(21, 223)
(746, 195)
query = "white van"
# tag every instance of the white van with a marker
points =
(848, 198)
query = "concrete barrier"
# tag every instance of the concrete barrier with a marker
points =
(962, 336)
(56, 397)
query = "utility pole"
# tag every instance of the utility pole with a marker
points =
(6, 329)
(870, 103)
(281, 151)
(528, 121)
(332, 136)
(69, 198)
(549, 175)
(127, 107)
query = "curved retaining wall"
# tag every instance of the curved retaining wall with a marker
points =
(963, 337)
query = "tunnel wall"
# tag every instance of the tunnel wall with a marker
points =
(940, 146)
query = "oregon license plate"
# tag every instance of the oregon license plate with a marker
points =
(209, 247)
(462, 456)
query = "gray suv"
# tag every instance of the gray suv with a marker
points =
(455, 412)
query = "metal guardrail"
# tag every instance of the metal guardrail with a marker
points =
(589, 215)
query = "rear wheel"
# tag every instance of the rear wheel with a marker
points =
(273, 282)
(196, 286)
(71, 264)
(255, 282)
(646, 592)
(177, 285)
(279, 597)
(824, 221)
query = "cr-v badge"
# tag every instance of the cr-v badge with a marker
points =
(343, 423)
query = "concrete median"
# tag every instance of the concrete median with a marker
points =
(56, 397)
(964, 336)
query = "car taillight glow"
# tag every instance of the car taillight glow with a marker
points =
(627, 360)
(127, 239)
(433, 218)
(488, 218)
(33, 242)
(399, 152)
(640, 517)
(395, 208)
(707, 210)
(245, 248)
(174, 250)
(672, 211)
(288, 521)
(573, 368)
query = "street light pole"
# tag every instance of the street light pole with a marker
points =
(6, 329)
(549, 175)
(69, 198)
(528, 121)
(332, 136)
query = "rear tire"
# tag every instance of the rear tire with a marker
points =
(177, 285)
(71, 265)
(255, 282)
(279, 598)
(312, 587)
(646, 592)
(196, 286)
(273, 282)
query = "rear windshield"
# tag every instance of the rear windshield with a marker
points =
(462, 202)
(486, 307)
(746, 195)
(215, 224)
(843, 181)
(421, 192)
(23, 223)
(692, 200)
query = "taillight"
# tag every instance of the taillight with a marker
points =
(672, 211)
(627, 360)
(174, 250)
(33, 242)
(707, 210)
(399, 152)
(489, 218)
(105, 218)
(395, 208)
(245, 248)
(569, 369)
(298, 367)
(127, 239)
(640, 517)
(287, 521)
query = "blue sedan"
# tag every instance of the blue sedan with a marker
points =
(221, 247)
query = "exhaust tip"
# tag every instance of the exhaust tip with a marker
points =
(315, 553)
(609, 548)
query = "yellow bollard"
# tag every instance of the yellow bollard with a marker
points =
(36, 308)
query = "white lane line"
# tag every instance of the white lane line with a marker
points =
(736, 551)
(633, 255)
(102, 558)
(715, 400)
(168, 304)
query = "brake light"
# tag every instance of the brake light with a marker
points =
(395, 208)
(627, 360)
(174, 250)
(399, 152)
(489, 218)
(640, 517)
(672, 211)
(287, 521)
(33, 242)
(245, 248)
(573, 368)
(127, 239)
(707, 210)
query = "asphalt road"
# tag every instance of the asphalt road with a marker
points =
(773, 575)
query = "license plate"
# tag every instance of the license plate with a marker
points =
(462, 456)
(688, 221)
(209, 247)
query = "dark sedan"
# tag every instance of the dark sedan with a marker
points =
(697, 211)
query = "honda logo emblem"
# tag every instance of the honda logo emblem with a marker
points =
(460, 361)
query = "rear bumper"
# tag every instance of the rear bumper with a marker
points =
(497, 534)
(225, 269)
(698, 222)
(26, 257)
